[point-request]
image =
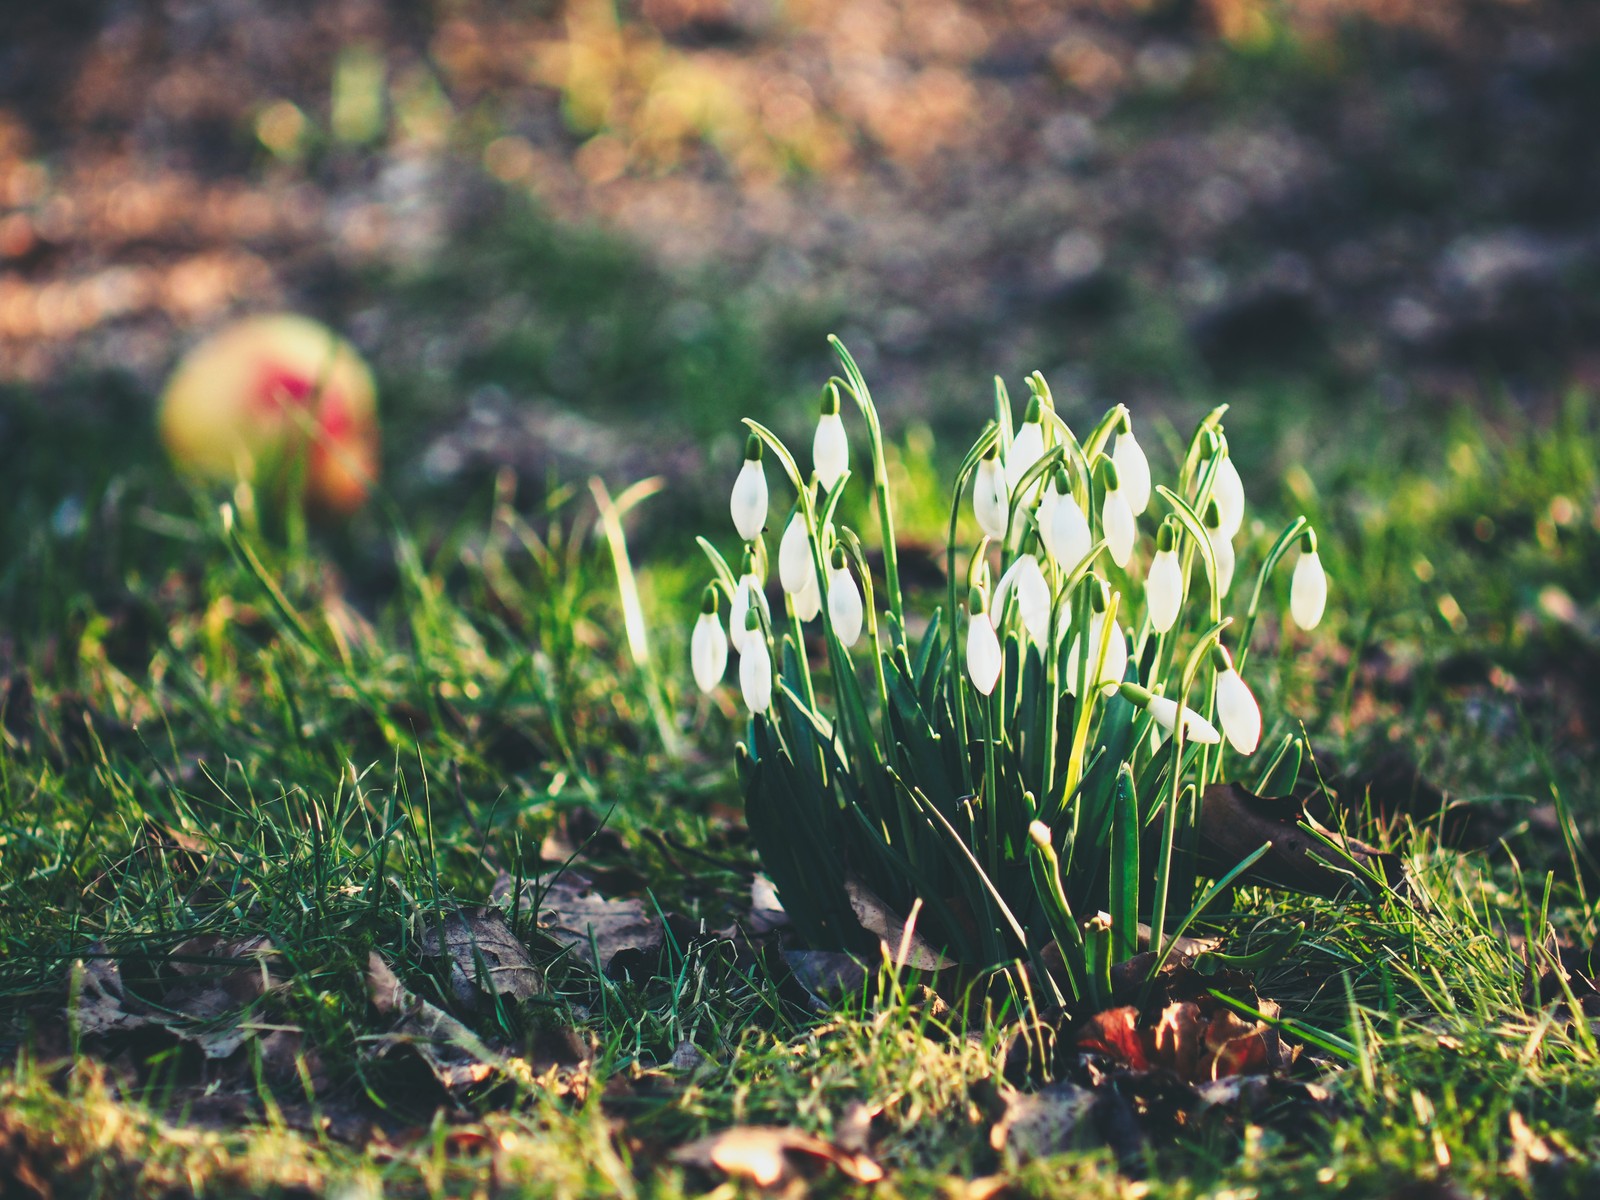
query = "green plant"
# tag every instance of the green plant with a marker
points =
(1044, 786)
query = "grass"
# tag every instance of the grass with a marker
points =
(336, 738)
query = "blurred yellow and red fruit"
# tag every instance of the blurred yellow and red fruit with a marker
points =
(272, 399)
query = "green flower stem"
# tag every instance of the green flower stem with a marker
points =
(880, 480)
(1281, 547)
(990, 707)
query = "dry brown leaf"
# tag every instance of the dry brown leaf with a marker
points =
(1197, 1041)
(769, 1155)
(484, 955)
(1235, 823)
(899, 939)
(573, 913)
(455, 1055)
(1053, 1120)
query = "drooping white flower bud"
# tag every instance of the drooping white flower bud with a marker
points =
(1065, 530)
(1308, 589)
(1221, 548)
(983, 646)
(796, 567)
(1115, 665)
(830, 447)
(1163, 586)
(844, 601)
(1133, 467)
(1027, 447)
(1228, 491)
(990, 497)
(1116, 518)
(749, 501)
(747, 594)
(808, 600)
(1237, 709)
(1033, 597)
(1165, 714)
(755, 668)
(708, 647)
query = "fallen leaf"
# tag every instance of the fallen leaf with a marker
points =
(826, 975)
(483, 955)
(1235, 823)
(898, 938)
(1053, 1120)
(1197, 1041)
(597, 928)
(768, 1155)
(454, 1055)
(766, 910)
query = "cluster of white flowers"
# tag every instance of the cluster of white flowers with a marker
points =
(1051, 530)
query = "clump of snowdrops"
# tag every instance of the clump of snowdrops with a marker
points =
(1034, 777)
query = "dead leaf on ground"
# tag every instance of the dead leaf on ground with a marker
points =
(597, 928)
(766, 910)
(1235, 823)
(484, 955)
(1053, 1120)
(453, 1054)
(195, 1010)
(827, 976)
(770, 1155)
(1197, 1041)
(898, 938)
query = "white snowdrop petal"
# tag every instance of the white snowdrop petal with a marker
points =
(808, 600)
(844, 605)
(1067, 536)
(1133, 471)
(983, 653)
(1308, 591)
(1033, 598)
(739, 612)
(1116, 518)
(795, 565)
(1222, 548)
(748, 503)
(1027, 448)
(1228, 492)
(990, 498)
(830, 450)
(1195, 727)
(708, 652)
(755, 677)
(1163, 590)
(1238, 711)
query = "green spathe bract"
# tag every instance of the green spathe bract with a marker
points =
(1054, 807)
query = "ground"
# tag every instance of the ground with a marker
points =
(271, 793)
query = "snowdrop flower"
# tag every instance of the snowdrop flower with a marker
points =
(755, 668)
(830, 448)
(1027, 448)
(1115, 665)
(990, 498)
(1221, 548)
(747, 594)
(1308, 589)
(1165, 714)
(1163, 586)
(844, 601)
(1236, 705)
(796, 567)
(808, 600)
(983, 646)
(1116, 518)
(1133, 467)
(749, 501)
(708, 647)
(1227, 489)
(1033, 597)
(1064, 528)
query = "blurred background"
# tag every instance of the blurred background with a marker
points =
(587, 235)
